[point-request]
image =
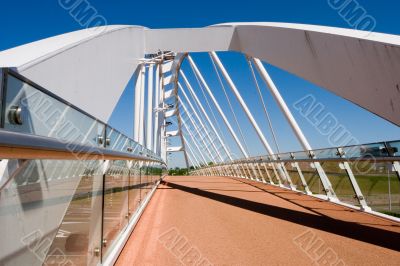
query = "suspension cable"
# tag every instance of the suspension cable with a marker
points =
(202, 135)
(204, 125)
(230, 106)
(208, 103)
(196, 107)
(263, 103)
(202, 116)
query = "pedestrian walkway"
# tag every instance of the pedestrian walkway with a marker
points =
(198, 220)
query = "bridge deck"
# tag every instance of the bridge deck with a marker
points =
(225, 221)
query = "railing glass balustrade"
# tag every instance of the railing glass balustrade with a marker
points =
(366, 176)
(66, 207)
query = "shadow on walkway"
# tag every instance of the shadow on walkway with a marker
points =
(353, 230)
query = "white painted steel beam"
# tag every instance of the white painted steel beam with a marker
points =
(192, 92)
(175, 149)
(150, 108)
(199, 131)
(340, 60)
(225, 119)
(141, 129)
(242, 103)
(167, 67)
(136, 110)
(195, 144)
(292, 122)
(202, 125)
(168, 79)
(170, 93)
(172, 133)
(171, 113)
(198, 164)
(157, 106)
(282, 104)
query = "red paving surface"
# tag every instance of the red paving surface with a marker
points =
(225, 221)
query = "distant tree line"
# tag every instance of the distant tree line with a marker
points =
(183, 171)
(178, 171)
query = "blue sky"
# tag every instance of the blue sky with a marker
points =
(26, 21)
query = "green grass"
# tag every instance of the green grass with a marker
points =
(391, 213)
(374, 186)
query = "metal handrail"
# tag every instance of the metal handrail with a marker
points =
(11, 72)
(15, 145)
(353, 159)
(311, 158)
(268, 158)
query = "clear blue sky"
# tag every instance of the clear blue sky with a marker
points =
(26, 21)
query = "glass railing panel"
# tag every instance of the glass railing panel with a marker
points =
(244, 173)
(115, 216)
(340, 182)
(374, 150)
(294, 175)
(283, 173)
(284, 156)
(112, 138)
(258, 174)
(301, 155)
(78, 238)
(265, 158)
(312, 178)
(146, 180)
(393, 148)
(140, 150)
(249, 169)
(63, 199)
(238, 170)
(143, 181)
(42, 114)
(273, 172)
(134, 188)
(159, 172)
(155, 174)
(326, 153)
(260, 171)
(264, 172)
(233, 170)
(119, 142)
(126, 144)
(31, 109)
(137, 149)
(243, 170)
(379, 184)
(150, 172)
(39, 191)
(132, 147)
